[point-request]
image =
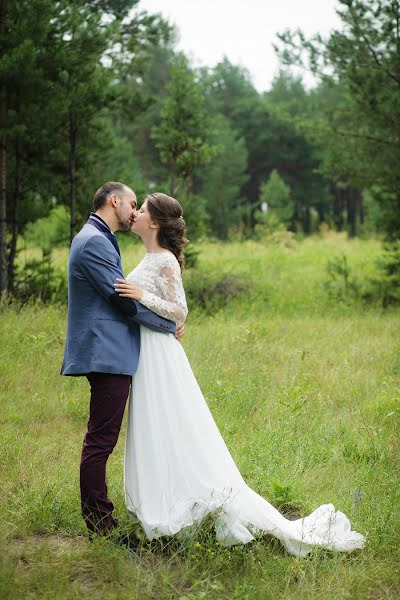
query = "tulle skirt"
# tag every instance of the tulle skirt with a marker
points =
(178, 469)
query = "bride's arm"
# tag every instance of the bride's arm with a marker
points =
(100, 270)
(174, 307)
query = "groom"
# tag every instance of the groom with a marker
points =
(103, 340)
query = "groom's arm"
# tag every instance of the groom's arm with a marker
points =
(101, 271)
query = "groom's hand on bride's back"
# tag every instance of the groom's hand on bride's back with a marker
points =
(180, 331)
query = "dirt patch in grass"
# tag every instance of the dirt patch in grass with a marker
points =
(56, 543)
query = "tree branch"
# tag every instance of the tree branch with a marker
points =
(361, 136)
(370, 47)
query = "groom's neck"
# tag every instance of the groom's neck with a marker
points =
(108, 219)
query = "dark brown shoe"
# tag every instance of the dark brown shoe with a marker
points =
(129, 541)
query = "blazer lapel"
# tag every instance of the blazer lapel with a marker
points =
(104, 229)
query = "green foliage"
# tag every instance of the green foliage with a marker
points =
(374, 217)
(223, 179)
(390, 265)
(385, 287)
(195, 214)
(276, 194)
(62, 69)
(359, 106)
(40, 280)
(286, 498)
(231, 93)
(380, 288)
(211, 292)
(181, 135)
(51, 231)
(341, 284)
(96, 91)
(191, 256)
(305, 393)
(291, 151)
(273, 233)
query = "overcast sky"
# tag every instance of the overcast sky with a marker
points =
(243, 30)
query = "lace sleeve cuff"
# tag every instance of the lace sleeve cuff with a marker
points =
(169, 310)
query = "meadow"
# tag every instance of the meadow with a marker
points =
(303, 380)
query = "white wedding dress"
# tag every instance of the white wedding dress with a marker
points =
(177, 467)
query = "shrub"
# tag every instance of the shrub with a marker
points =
(191, 256)
(341, 284)
(386, 287)
(39, 279)
(211, 292)
(286, 497)
(49, 231)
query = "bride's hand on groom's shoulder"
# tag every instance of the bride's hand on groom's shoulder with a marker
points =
(128, 290)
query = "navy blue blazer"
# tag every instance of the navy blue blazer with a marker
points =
(103, 333)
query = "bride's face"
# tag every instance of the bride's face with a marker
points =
(142, 222)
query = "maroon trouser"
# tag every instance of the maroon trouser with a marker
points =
(107, 404)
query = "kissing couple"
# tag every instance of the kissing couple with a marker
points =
(123, 336)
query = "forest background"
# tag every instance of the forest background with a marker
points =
(292, 201)
(95, 91)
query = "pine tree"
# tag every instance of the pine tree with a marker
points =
(222, 180)
(361, 62)
(182, 134)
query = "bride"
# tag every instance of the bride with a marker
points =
(177, 467)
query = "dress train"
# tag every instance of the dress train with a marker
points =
(178, 468)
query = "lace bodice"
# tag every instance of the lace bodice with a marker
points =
(159, 276)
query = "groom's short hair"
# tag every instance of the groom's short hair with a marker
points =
(111, 187)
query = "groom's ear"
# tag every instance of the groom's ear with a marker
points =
(113, 199)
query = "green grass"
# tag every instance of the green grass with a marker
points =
(306, 393)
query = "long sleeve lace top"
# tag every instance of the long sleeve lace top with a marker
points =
(159, 276)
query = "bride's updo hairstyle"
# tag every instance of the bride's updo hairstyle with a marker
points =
(167, 213)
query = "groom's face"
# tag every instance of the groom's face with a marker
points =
(125, 209)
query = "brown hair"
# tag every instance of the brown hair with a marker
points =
(167, 213)
(111, 187)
